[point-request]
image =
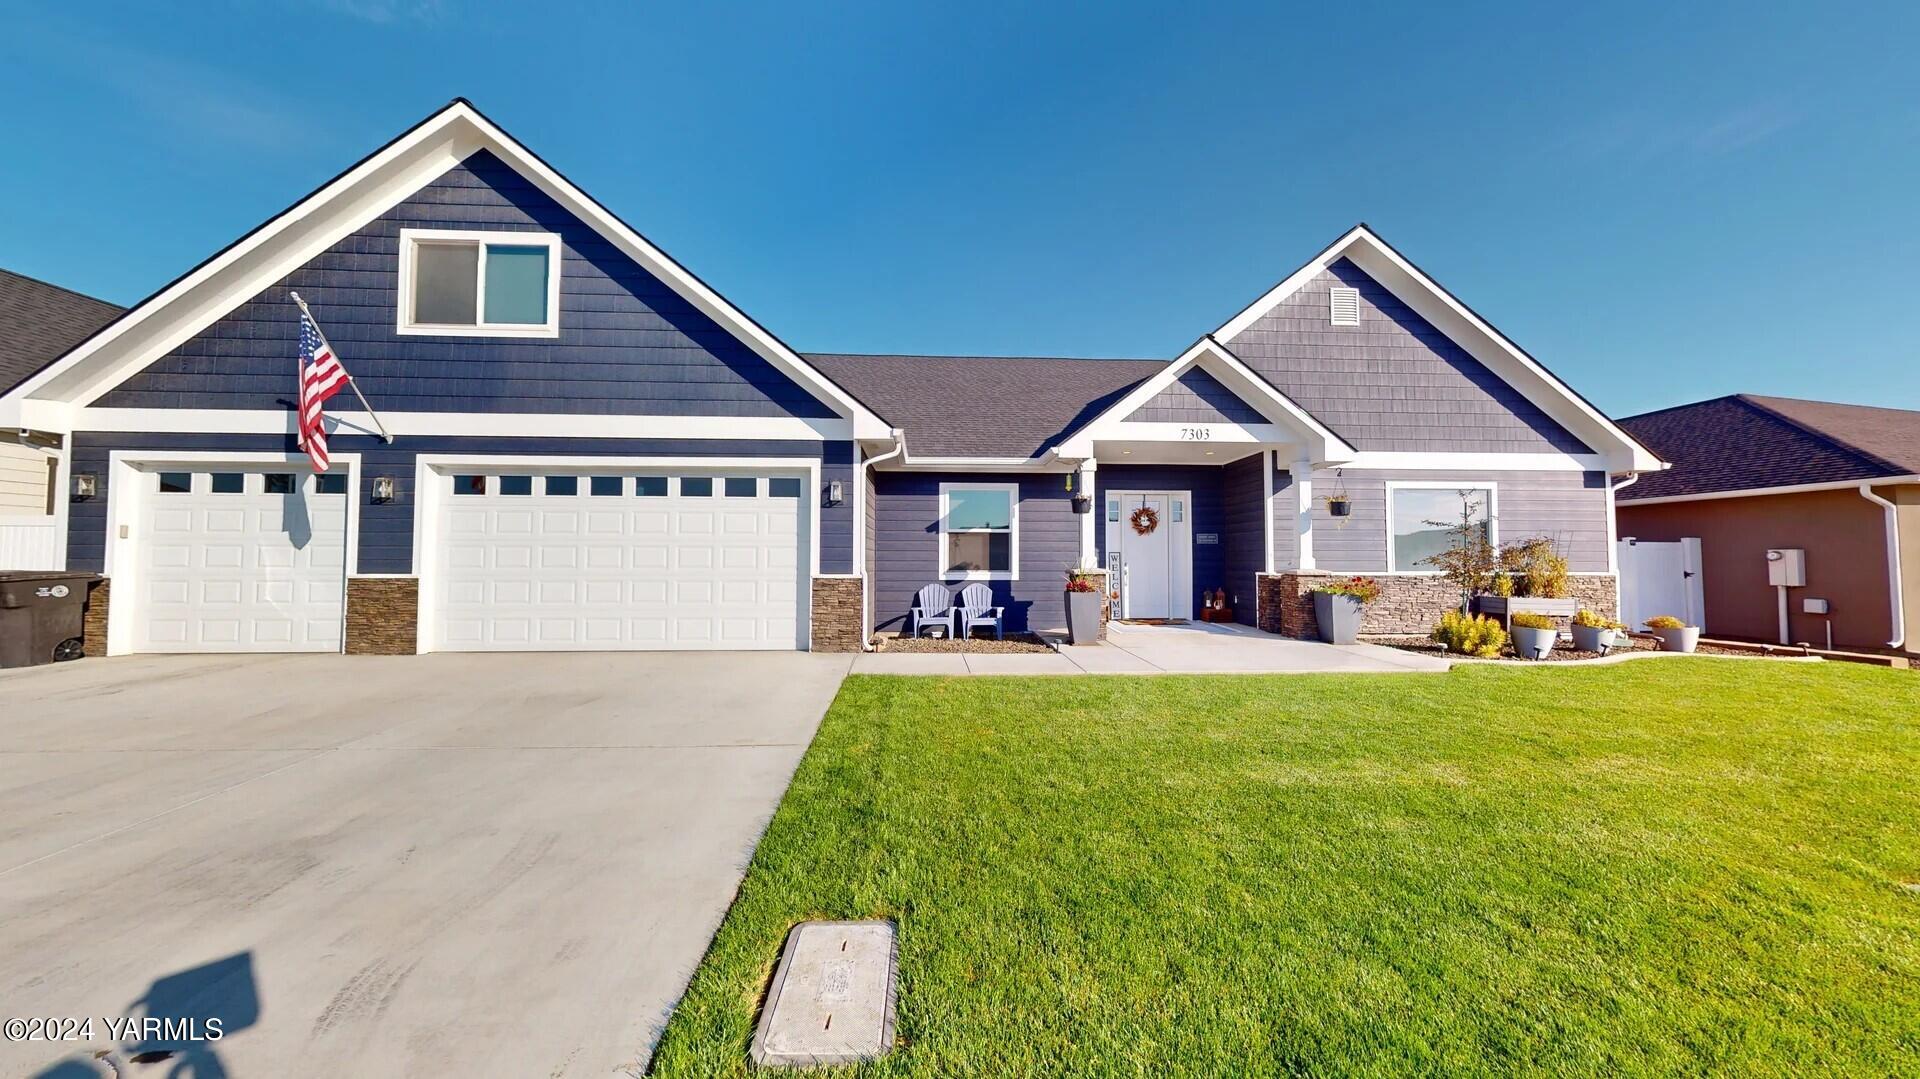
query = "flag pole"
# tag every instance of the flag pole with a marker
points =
(351, 384)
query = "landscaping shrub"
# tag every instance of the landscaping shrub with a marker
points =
(1538, 566)
(1665, 621)
(1590, 620)
(1470, 634)
(1530, 620)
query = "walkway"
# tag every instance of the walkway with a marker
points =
(1198, 648)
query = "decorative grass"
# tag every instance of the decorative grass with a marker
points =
(1678, 867)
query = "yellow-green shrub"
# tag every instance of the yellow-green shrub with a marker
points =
(1665, 621)
(1530, 620)
(1470, 635)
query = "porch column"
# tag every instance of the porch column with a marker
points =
(1303, 507)
(1269, 461)
(1089, 552)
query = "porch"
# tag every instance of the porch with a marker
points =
(1191, 648)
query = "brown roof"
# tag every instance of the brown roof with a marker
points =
(984, 406)
(1746, 441)
(39, 322)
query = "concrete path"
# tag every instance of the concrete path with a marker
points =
(418, 865)
(1189, 649)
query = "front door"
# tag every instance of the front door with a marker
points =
(1150, 536)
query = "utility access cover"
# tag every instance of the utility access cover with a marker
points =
(832, 997)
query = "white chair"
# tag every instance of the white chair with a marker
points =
(977, 609)
(933, 607)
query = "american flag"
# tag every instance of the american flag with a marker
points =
(321, 376)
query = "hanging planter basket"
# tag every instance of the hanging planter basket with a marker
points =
(1340, 505)
(1144, 520)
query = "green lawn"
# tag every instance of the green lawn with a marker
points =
(1656, 867)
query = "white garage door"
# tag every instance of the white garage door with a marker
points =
(240, 561)
(628, 561)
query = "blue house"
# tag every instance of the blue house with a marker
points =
(591, 448)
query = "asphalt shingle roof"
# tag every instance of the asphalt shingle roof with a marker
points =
(984, 406)
(1747, 441)
(39, 322)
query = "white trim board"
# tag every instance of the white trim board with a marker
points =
(1290, 422)
(467, 424)
(1761, 492)
(336, 210)
(1451, 317)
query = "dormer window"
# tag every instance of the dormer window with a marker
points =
(479, 284)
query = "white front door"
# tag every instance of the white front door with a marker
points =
(619, 561)
(232, 559)
(1155, 565)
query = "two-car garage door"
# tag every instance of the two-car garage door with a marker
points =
(254, 559)
(633, 560)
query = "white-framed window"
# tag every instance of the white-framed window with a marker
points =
(462, 283)
(979, 531)
(1421, 517)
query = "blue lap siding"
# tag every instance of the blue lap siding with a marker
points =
(907, 554)
(628, 344)
(386, 530)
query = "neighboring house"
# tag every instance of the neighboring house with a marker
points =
(1752, 474)
(38, 322)
(593, 449)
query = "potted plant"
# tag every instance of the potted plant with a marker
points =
(1337, 606)
(1675, 635)
(1592, 633)
(1533, 634)
(1083, 606)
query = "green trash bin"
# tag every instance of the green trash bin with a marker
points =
(42, 617)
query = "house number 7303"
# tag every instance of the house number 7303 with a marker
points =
(1196, 434)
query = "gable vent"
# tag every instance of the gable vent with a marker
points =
(1346, 306)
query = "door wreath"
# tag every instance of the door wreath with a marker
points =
(1144, 521)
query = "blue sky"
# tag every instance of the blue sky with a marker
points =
(1662, 204)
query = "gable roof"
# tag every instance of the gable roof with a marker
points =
(1745, 442)
(1462, 325)
(39, 321)
(48, 397)
(984, 406)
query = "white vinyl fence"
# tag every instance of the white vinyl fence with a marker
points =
(29, 542)
(1661, 578)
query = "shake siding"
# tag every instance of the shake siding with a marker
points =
(1208, 514)
(628, 344)
(1568, 507)
(1197, 397)
(1394, 382)
(907, 554)
(1242, 538)
(386, 531)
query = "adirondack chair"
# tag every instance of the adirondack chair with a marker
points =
(977, 609)
(933, 607)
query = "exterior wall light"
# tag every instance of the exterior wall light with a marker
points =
(383, 489)
(85, 486)
(836, 493)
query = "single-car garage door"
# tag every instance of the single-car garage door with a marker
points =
(240, 561)
(619, 561)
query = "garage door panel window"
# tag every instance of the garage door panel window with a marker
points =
(696, 486)
(516, 486)
(229, 483)
(563, 485)
(176, 483)
(979, 531)
(742, 487)
(603, 486)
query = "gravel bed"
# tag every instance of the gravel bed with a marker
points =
(1015, 642)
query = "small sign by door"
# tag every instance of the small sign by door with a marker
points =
(1206, 537)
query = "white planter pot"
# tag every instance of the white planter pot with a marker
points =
(1593, 638)
(1684, 639)
(1533, 643)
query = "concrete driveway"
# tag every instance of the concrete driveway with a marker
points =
(420, 865)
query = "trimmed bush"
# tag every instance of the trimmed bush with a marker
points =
(1470, 635)
(1530, 620)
